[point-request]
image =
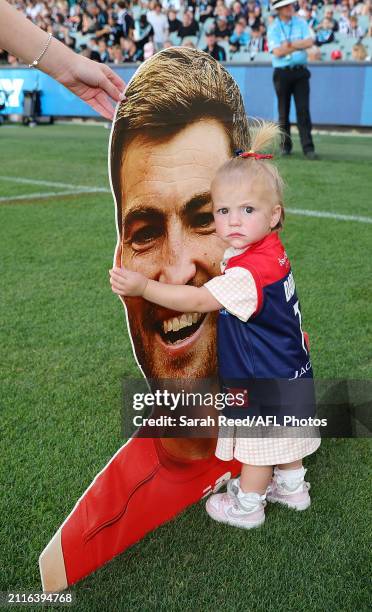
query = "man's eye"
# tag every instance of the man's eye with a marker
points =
(248, 209)
(144, 236)
(204, 219)
(202, 222)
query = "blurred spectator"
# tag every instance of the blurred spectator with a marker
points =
(324, 34)
(90, 53)
(206, 8)
(258, 43)
(189, 26)
(166, 4)
(359, 53)
(130, 51)
(213, 48)
(240, 37)
(125, 20)
(148, 50)
(222, 29)
(355, 7)
(355, 31)
(144, 32)
(188, 43)
(174, 24)
(103, 51)
(343, 22)
(159, 22)
(237, 11)
(96, 26)
(328, 14)
(116, 54)
(254, 17)
(112, 31)
(310, 19)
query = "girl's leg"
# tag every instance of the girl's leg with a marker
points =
(255, 478)
(295, 465)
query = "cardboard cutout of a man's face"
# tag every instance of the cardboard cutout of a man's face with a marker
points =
(169, 235)
(183, 117)
(165, 227)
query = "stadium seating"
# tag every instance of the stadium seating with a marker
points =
(66, 27)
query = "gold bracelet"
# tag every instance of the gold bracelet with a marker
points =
(37, 60)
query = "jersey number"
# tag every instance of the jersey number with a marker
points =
(297, 311)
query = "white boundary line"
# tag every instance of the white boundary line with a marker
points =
(81, 189)
(51, 194)
(328, 215)
(26, 181)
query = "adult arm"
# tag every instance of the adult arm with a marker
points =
(94, 83)
(301, 44)
(296, 45)
(306, 41)
(283, 50)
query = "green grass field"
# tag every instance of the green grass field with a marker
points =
(65, 350)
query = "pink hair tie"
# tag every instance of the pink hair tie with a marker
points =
(255, 155)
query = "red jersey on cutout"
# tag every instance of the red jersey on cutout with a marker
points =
(140, 488)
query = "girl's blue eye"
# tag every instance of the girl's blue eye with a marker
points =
(248, 209)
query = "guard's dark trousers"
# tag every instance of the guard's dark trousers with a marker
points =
(294, 81)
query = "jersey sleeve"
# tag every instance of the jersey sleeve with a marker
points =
(236, 291)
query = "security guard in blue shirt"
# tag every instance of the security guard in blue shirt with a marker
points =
(288, 38)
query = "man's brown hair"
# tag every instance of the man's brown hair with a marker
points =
(170, 91)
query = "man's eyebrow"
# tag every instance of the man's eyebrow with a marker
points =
(140, 213)
(197, 201)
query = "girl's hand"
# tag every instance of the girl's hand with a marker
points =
(126, 282)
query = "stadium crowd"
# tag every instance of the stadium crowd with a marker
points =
(118, 31)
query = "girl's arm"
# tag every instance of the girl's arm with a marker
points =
(182, 298)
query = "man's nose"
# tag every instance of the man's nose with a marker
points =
(179, 267)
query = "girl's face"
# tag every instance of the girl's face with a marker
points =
(244, 210)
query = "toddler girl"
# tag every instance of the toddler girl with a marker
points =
(259, 329)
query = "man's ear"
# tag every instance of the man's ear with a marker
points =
(117, 255)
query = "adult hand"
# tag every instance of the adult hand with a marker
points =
(94, 83)
(287, 47)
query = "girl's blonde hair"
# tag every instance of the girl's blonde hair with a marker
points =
(265, 135)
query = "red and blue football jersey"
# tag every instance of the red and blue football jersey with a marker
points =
(271, 344)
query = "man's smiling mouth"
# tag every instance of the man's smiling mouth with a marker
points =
(176, 329)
